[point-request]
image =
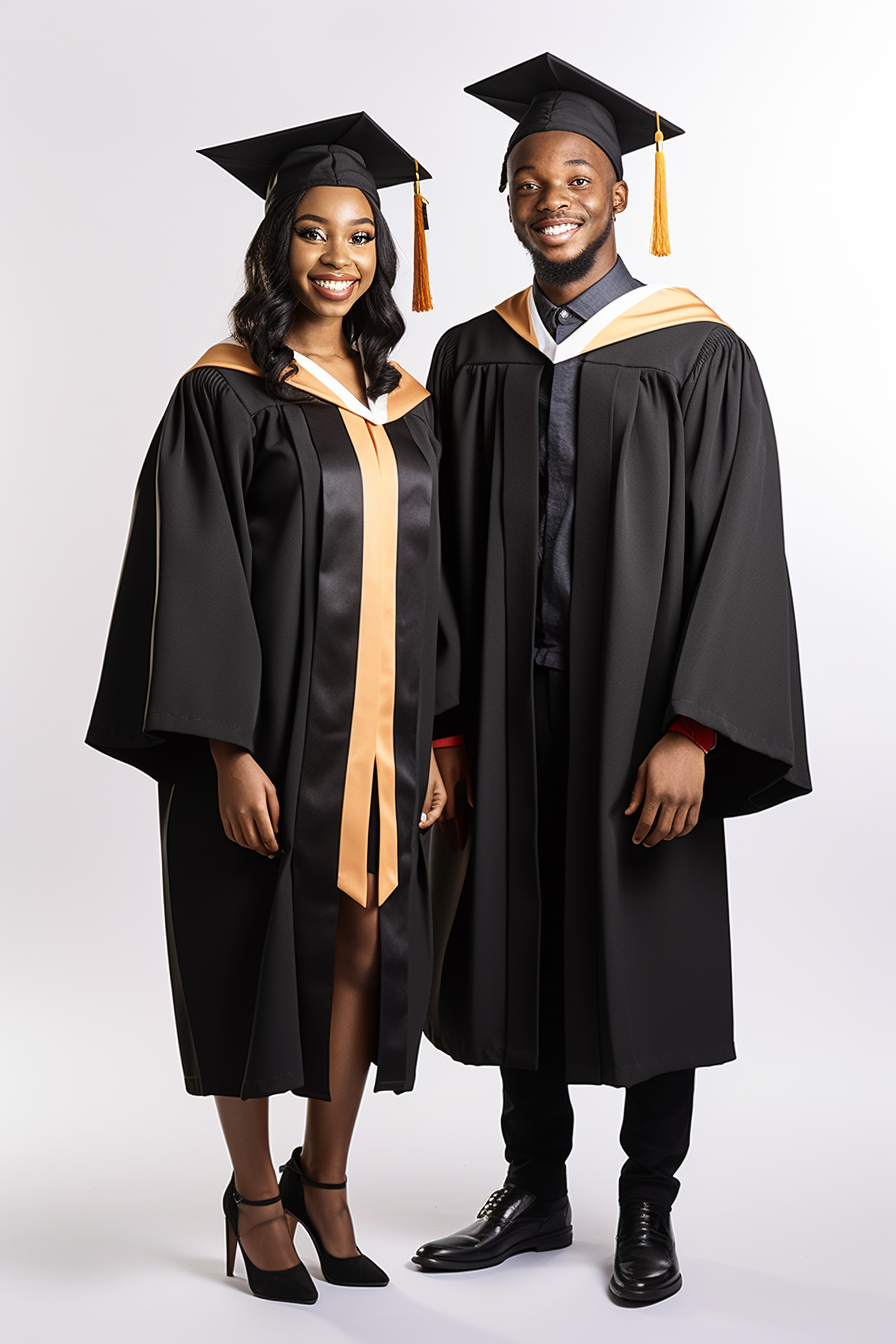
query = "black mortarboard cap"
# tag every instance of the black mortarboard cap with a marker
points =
(350, 151)
(547, 94)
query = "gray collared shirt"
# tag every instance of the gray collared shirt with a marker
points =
(557, 447)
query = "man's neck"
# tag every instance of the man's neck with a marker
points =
(563, 294)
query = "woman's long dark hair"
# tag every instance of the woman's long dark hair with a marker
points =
(261, 319)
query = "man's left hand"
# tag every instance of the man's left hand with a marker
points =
(668, 790)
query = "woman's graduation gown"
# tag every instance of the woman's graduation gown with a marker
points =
(680, 605)
(281, 591)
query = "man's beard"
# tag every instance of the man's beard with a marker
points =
(559, 274)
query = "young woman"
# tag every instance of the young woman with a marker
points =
(272, 662)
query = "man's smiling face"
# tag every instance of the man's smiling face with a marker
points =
(562, 194)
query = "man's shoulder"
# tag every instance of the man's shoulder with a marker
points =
(484, 339)
(671, 330)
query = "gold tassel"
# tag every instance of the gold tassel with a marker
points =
(659, 236)
(422, 300)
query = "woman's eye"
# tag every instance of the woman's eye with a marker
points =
(310, 235)
(361, 238)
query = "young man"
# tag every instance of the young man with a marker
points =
(612, 531)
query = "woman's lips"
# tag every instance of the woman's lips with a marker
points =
(556, 231)
(333, 289)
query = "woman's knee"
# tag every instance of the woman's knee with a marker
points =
(357, 949)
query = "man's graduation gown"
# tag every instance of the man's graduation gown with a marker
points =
(680, 605)
(281, 591)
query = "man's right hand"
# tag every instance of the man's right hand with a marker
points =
(454, 767)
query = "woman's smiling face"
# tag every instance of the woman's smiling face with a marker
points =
(332, 257)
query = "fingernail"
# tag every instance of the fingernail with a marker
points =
(422, 816)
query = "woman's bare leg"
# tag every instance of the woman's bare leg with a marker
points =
(353, 1037)
(264, 1232)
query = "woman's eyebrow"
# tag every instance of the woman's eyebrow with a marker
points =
(318, 219)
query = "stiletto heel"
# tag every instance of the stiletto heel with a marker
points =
(277, 1285)
(349, 1271)
(231, 1248)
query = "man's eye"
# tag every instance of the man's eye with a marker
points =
(580, 181)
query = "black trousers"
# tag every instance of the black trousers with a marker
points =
(537, 1119)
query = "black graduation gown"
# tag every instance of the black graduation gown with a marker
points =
(680, 605)
(240, 616)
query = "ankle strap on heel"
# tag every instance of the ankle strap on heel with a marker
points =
(254, 1203)
(323, 1185)
(295, 1165)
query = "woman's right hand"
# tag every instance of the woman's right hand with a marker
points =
(247, 800)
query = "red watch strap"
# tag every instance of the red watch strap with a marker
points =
(704, 737)
(448, 742)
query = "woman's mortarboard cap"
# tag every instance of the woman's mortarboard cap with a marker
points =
(349, 151)
(547, 94)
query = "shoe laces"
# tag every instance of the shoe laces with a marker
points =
(493, 1203)
(645, 1228)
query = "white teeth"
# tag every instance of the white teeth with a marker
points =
(335, 285)
(552, 229)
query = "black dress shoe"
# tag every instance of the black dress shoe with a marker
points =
(646, 1265)
(510, 1221)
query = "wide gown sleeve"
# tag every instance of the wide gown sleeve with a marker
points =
(738, 665)
(448, 720)
(183, 661)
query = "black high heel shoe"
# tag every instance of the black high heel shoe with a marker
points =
(278, 1285)
(350, 1271)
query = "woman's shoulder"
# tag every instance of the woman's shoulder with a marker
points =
(407, 395)
(227, 371)
(229, 354)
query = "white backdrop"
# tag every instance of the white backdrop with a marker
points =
(123, 256)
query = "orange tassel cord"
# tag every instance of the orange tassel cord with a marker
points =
(422, 297)
(659, 236)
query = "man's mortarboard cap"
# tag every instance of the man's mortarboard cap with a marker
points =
(547, 94)
(349, 151)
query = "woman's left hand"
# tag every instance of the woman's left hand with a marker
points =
(436, 797)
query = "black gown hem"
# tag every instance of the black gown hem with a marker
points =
(586, 1073)
(641, 1073)
(251, 1091)
(274, 1087)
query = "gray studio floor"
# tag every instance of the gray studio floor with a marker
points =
(114, 1232)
